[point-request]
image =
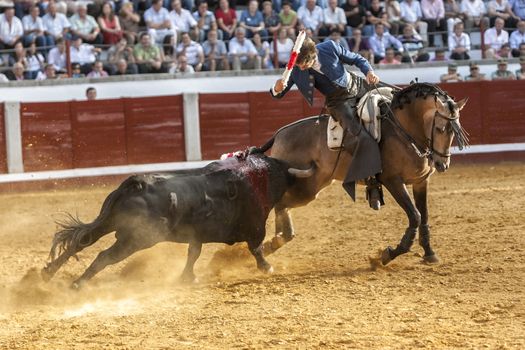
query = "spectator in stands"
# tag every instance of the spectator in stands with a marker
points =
(192, 50)
(517, 38)
(252, 20)
(97, 71)
(16, 73)
(121, 51)
(434, 15)
(148, 56)
(474, 12)
(91, 93)
(182, 20)
(34, 28)
(182, 67)
(380, 41)
(390, 57)
(355, 15)
(520, 73)
(411, 14)
(452, 76)
(18, 55)
(360, 45)
(393, 12)
(85, 26)
(518, 8)
(84, 54)
(48, 74)
(502, 73)
(56, 24)
(35, 61)
(288, 19)
(504, 52)
(459, 43)
(76, 71)
(439, 55)
(109, 25)
(3, 78)
(11, 29)
(242, 52)
(263, 50)
(215, 53)
(413, 45)
(226, 19)
(310, 18)
(272, 22)
(452, 14)
(475, 75)
(158, 21)
(494, 38)
(205, 20)
(129, 22)
(57, 56)
(376, 14)
(501, 9)
(284, 48)
(333, 19)
(123, 68)
(337, 37)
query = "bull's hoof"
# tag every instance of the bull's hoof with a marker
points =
(188, 279)
(267, 269)
(431, 259)
(385, 256)
(75, 285)
(45, 274)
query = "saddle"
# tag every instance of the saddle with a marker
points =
(368, 111)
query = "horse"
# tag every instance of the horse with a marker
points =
(416, 135)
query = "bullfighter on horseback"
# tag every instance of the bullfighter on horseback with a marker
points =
(321, 66)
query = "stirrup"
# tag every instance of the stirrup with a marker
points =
(374, 193)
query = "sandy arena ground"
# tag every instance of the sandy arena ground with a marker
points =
(324, 293)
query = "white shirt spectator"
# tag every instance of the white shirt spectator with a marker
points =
(310, 19)
(156, 17)
(57, 59)
(32, 24)
(182, 21)
(475, 8)
(192, 52)
(462, 41)
(55, 25)
(497, 7)
(336, 16)
(83, 26)
(494, 40)
(8, 32)
(246, 47)
(379, 44)
(84, 54)
(283, 50)
(411, 13)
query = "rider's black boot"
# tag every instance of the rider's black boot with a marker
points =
(374, 193)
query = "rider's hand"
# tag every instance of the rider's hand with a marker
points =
(372, 78)
(279, 86)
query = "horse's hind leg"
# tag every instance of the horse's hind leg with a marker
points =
(399, 191)
(284, 231)
(420, 197)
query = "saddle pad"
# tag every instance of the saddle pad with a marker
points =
(368, 110)
(334, 135)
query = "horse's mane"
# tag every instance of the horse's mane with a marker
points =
(420, 90)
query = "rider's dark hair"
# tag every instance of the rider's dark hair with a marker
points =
(308, 52)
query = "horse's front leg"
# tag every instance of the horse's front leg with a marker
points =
(420, 197)
(399, 191)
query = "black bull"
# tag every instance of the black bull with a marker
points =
(225, 202)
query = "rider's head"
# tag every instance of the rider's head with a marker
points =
(307, 55)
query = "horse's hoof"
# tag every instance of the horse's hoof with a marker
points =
(267, 269)
(431, 259)
(188, 279)
(45, 275)
(385, 256)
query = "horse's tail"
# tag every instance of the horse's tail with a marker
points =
(75, 235)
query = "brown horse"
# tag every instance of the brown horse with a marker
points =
(417, 134)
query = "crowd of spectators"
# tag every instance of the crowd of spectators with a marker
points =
(186, 36)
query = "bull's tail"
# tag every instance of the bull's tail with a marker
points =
(267, 145)
(75, 235)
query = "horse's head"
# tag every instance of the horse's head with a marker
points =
(445, 125)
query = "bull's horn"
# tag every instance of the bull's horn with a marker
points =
(301, 173)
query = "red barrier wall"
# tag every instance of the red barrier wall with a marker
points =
(63, 135)
(3, 154)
